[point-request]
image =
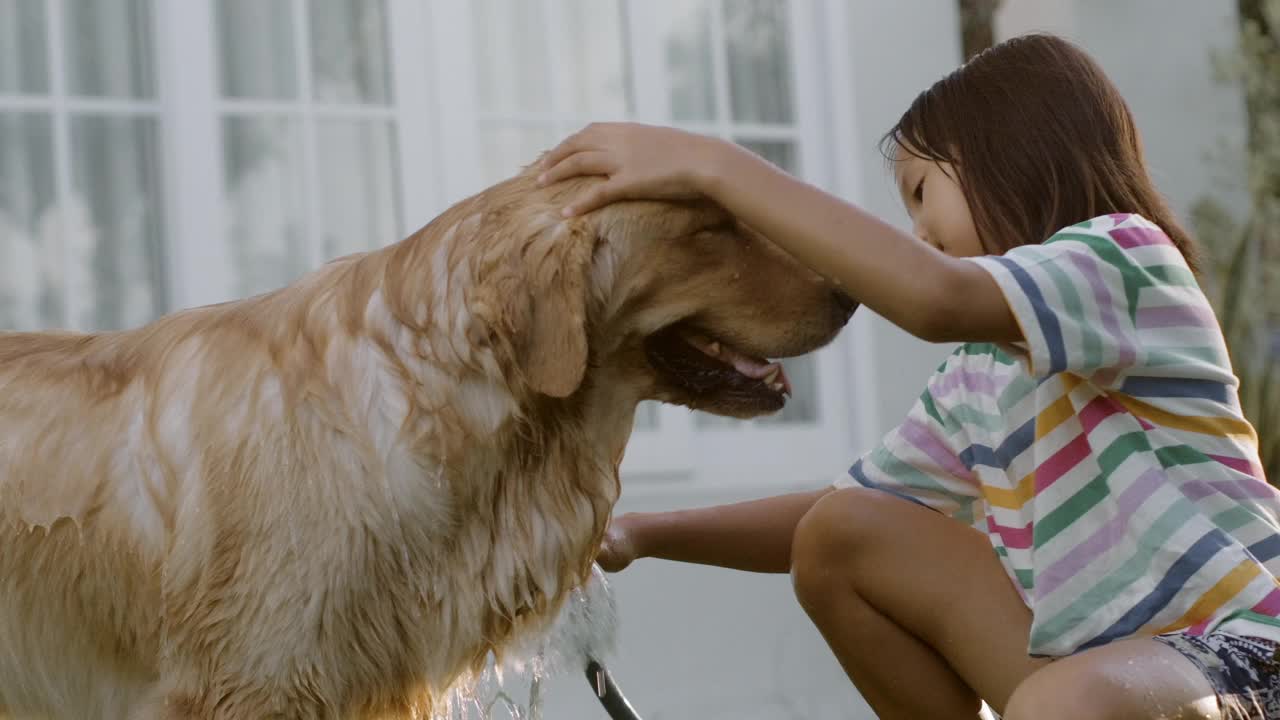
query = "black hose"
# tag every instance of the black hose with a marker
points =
(607, 691)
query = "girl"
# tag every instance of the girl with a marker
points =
(1072, 521)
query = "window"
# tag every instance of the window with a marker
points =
(161, 155)
(81, 206)
(535, 87)
(308, 135)
(724, 67)
(729, 67)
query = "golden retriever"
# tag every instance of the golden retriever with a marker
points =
(335, 499)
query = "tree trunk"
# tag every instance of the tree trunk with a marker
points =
(977, 25)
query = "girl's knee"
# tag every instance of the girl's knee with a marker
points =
(830, 537)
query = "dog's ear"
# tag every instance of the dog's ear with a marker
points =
(551, 344)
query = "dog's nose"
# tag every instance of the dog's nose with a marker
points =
(846, 303)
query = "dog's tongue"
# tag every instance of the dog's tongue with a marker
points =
(752, 367)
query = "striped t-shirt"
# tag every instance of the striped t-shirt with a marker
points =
(1106, 457)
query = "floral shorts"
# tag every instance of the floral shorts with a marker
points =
(1244, 671)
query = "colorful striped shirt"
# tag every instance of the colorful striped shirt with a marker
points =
(1106, 456)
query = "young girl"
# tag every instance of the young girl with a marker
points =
(1072, 521)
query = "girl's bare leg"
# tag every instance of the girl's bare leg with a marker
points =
(916, 606)
(1136, 679)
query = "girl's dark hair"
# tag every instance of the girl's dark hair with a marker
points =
(1041, 139)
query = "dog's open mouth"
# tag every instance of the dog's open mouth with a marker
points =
(714, 375)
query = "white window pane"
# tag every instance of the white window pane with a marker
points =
(802, 371)
(256, 43)
(707, 421)
(759, 61)
(358, 179)
(115, 256)
(23, 53)
(779, 152)
(511, 47)
(647, 415)
(265, 215)
(596, 62)
(690, 70)
(29, 297)
(802, 407)
(108, 48)
(349, 51)
(506, 149)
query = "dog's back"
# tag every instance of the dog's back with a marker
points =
(105, 445)
(185, 491)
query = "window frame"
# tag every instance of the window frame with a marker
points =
(752, 454)
(61, 107)
(677, 453)
(194, 148)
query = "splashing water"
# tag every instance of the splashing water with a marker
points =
(584, 630)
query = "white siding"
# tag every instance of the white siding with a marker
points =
(1158, 53)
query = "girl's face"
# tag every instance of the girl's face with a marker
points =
(939, 212)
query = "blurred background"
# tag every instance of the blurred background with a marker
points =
(162, 154)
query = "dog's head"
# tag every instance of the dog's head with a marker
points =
(702, 306)
(675, 301)
(525, 340)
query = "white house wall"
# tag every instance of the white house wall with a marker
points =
(898, 49)
(1157, 53)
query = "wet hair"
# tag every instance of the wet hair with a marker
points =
(1040, 139)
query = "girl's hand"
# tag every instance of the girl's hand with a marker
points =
(618, 549)
(642, 162)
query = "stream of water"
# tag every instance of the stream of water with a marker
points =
(585, 629)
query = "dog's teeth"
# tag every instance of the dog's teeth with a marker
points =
(777, 387)
(771, 379)
(713, 348)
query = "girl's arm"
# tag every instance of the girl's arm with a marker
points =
(912, 284)
(754, 536)
(915, 286)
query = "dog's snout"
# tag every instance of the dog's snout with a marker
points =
(845, 302)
